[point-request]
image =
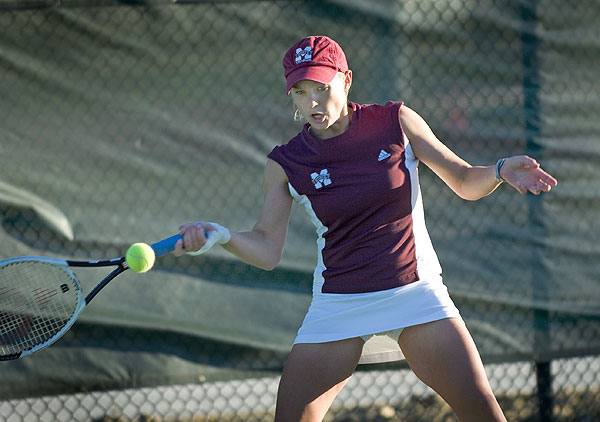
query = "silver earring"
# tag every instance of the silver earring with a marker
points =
(297, 115)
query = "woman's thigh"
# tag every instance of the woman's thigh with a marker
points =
(313, 375)
(443, 355)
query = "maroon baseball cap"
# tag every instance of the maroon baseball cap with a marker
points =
(316, 58)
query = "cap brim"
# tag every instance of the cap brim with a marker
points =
(321, 74)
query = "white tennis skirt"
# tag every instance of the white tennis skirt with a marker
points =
(333, 317)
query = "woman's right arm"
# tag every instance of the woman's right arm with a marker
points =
(263, 245)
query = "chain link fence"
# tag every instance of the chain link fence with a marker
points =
(383, 395)
(127, 119)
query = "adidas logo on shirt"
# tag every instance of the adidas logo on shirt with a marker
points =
(383, 155)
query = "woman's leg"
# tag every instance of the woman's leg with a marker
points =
(313, 376)
(443, 355)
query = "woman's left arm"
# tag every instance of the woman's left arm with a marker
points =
(467, 181)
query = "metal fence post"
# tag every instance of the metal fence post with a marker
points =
(531, 88)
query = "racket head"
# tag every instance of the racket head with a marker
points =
(40, 298)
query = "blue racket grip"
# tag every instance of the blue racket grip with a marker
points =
(166, 245)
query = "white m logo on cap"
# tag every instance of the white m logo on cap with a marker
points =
(303, 55)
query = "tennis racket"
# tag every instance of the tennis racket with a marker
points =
(41, 298)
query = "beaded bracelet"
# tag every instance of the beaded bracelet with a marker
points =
(499, 165)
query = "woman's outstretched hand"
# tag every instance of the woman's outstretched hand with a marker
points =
(525, 175)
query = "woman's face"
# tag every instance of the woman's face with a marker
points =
(324, 106)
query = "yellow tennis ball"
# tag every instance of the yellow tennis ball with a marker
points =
(140, 257)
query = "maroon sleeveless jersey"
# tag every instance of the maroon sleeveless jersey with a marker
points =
(358, 191)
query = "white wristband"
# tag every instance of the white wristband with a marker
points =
(220, 235)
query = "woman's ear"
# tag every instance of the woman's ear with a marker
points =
(347, 81)
(297, 115)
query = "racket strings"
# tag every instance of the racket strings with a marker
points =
(37, 300)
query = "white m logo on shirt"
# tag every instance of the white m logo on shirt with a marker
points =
(321, 179)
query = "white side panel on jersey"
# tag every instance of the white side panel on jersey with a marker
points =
(303, 200)
(427, 260)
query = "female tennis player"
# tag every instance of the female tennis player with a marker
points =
(377, 292)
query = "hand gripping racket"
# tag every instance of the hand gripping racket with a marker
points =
(41, 298)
